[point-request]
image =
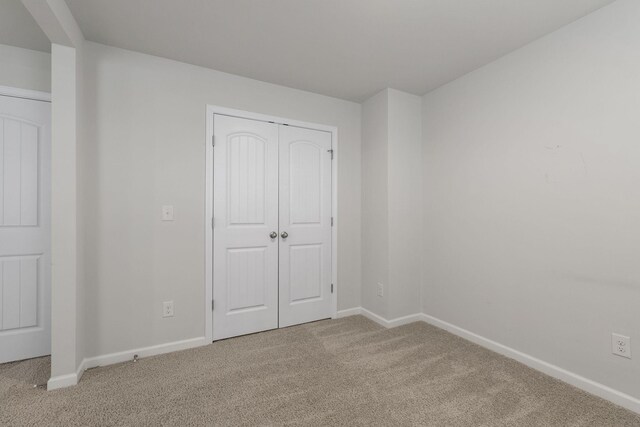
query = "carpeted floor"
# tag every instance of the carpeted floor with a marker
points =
(335, 372)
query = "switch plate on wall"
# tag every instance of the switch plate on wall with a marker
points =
(380, 289)
(167, 213)
(621, 345)
(167, 309)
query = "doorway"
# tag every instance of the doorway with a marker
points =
(25, 224)
(273, 224)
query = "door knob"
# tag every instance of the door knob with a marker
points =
(273, 235)
(284, 235)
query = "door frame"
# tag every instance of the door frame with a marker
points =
(208, 216)
(34, 95)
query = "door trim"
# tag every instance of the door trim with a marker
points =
(208, 216)
(34, 95)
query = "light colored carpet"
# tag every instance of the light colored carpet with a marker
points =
(335, 372)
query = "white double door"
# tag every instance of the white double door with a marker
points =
(272, 232)
(25, 228)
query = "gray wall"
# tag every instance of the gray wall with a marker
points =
(375, 214)
(405, 203)
(146, 148)
(391, 203)
(25, 69)
(532, 197)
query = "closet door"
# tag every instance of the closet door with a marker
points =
(305, 225)
(245, 236)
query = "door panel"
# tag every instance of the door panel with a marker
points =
(305, 272)
(246, 284)
(305, 176)
(246, 175)
(245, 269)
(25, 229)
(305, 216)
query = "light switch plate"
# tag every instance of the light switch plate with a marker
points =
(167, 213)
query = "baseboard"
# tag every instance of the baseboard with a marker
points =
(62, 381)
(68, 380)
(578, 381)
(123, 356)
(348, 312)
(590, 386)
(398, 321)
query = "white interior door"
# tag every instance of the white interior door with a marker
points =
(25, 229)
(245, 249)
(305, 225)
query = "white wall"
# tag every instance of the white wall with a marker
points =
(391, 203)
(146, 149)
(405, 202)
(375, 213)
(63, 212)
(25, 69)
(69, 177)
(83, 191)
(532, 198)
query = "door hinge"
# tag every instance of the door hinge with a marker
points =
(332, 221)
(211, 304)
(330, 151)
(213, 222)
(332, 288)
(213, 140)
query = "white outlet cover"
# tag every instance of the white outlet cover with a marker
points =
(621, 345)
(167, 213)
(380, 289)
(167, 309)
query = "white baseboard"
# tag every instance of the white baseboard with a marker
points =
(590, 386)
(348, 312)
(127, 355)
(398, 321)
(578, 381)
(68, 380)
(123, 356)
(62, 381)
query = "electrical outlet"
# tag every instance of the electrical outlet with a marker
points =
(167, 309)
(380, 289)
(167, 213)
(621, 345)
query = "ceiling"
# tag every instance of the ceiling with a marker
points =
(348, 49)
(18, 28)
